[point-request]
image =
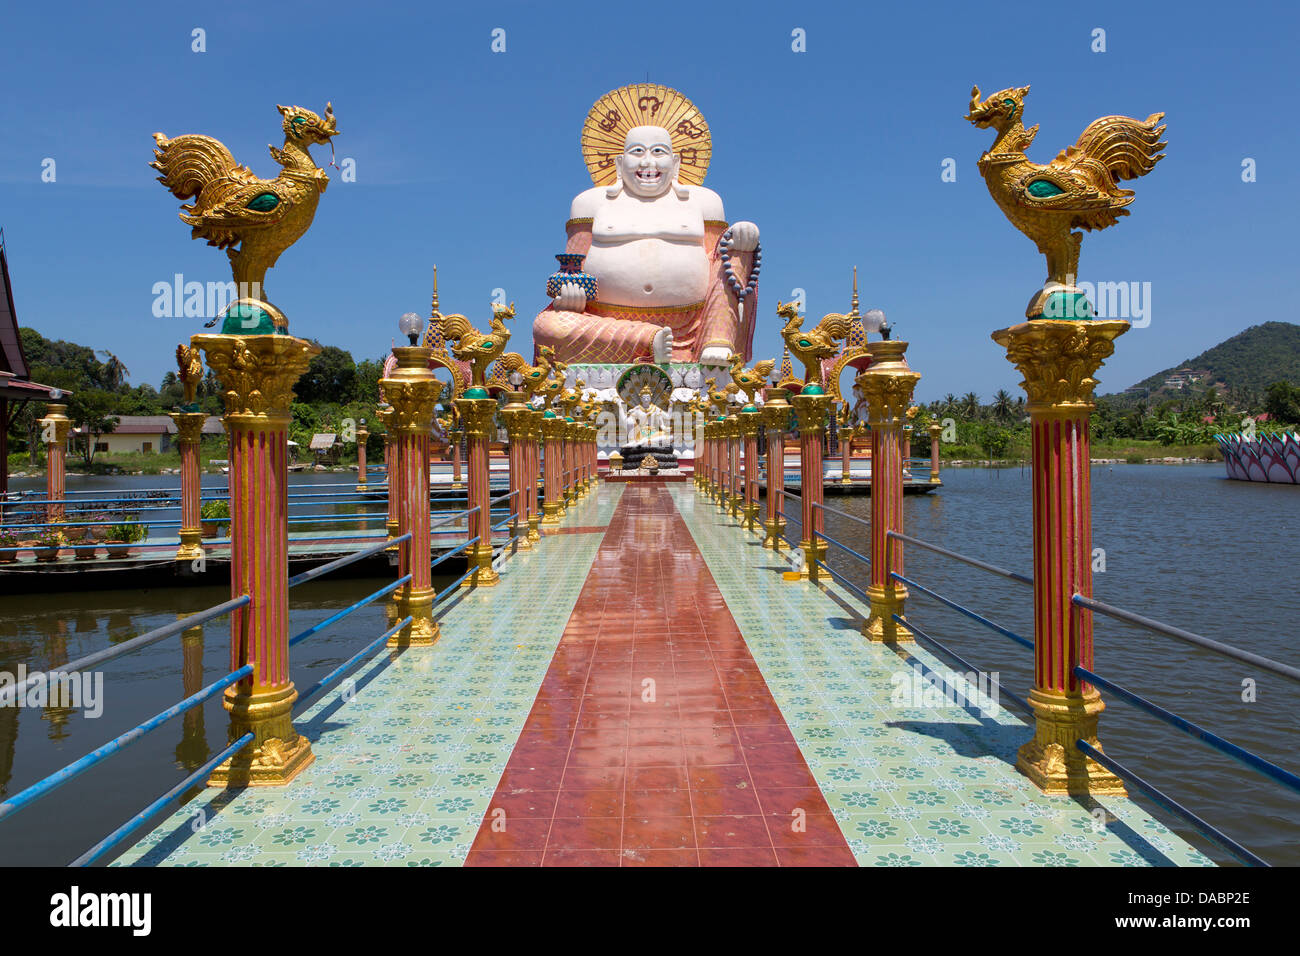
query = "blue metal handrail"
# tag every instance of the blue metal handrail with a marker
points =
(10, 693)
(844, 582)
(1023, 641)
(1020, 703)
(842, 514)
(1131, 778)
(57, 779)
(350, 662)
(137, 821)
(334, 618)
(454, 551)
(839, 544)
(1227, 650)
(973, 562)
(346, 560)
(1271, 770)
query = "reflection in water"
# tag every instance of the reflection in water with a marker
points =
(193, 750)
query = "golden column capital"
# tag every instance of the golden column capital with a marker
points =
(411, 391)
(477, 413)
(189, 426)
(56, 423)
(1058, 358)
(257, 374)
(887, 384)
(749, 422)
(811, 411)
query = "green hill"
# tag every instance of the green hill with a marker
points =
(1248, 362)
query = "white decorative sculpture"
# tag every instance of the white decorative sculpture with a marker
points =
(668, 285)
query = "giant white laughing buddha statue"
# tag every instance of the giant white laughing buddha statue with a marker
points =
(672, 282)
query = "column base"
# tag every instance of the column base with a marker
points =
(277, 754)
(390, 528)
(772, 531)
(1051, 761)
(362, 487)
(846, 480)
(751, 517)
(934, 480)
(191, 548)
(534, 534)
(484, 576)
(423, 631)
(811, 550)
(880, 626)
(521, 542)
(551, 513)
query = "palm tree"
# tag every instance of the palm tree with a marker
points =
(970, 406)
(1002, 407)
(115, 373)
(949, 404)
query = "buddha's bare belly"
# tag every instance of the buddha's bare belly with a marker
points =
(649, 272)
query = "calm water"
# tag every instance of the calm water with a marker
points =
(1182, 545)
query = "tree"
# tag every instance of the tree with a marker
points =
(92, 410)
(330, 377)
(1282, 402)
(1002, 406)
(970, 406)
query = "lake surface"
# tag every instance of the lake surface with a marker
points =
(1182, 544)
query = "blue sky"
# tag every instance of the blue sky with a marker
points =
(469, 159)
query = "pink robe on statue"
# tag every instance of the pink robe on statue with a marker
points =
(620, 335)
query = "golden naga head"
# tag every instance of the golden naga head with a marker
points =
(790, 312)
(305, 126)
(999, 110)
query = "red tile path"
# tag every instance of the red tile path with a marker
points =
(654, 740)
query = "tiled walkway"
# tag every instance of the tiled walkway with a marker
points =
(654, 740)
(405, 768)
(643, 688)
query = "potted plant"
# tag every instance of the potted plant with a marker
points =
(121, 536)
(212, 516)
(48, 543)
(8, 548)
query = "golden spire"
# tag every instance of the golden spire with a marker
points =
(857, 337)
(433, 309)
(854, 310)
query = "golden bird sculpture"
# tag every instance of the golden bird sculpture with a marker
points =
(554, 385)
(1079, 189)
(752, 380)
(189, 369)
(477, 348)
(533, 375)
(816, 344)
(253, 219)
(719, 400)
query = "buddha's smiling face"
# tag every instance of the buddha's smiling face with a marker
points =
(647, 166)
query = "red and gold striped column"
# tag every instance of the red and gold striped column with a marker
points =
(189, 432)
(516, 416)
(457, 481)
(54, 433)
(257, 373)
(707, 460)
(751, 423)
(385, 415)
(846, 451)
(1058, 359)
(811, 406)
(552, 429)
(412, 391)
(534, 434)
(776, 416)
(363, 435)
(477, 414)
(935, 431)
(887, 386)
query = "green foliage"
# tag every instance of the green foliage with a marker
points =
(215, 511)
(128, 533)
(331, 377)
(1282, 402)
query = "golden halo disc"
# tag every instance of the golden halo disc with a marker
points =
(645, 104)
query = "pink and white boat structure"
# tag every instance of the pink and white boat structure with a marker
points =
(1274, 457)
